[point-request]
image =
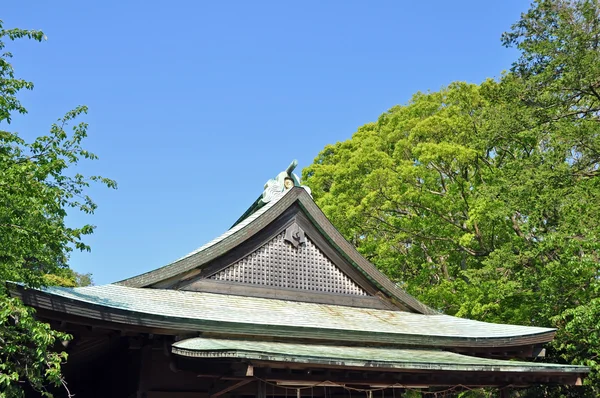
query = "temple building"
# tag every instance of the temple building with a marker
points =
(281, 305)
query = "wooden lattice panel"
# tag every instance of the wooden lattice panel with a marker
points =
(279, 264)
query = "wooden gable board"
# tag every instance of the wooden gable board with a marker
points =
(204, 278)
(281, 265)
(277, 269)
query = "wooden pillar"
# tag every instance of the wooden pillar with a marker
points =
(261, 389)
(145, 369)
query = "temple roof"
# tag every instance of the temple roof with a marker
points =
(218, 313)
(371, 357)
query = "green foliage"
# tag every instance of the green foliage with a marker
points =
(36, 193)
(484, 200)
(9, 85)
(37, 189)
(579, 336)
(68, 278)
(463, 198)
(27, 351)
(560, 57)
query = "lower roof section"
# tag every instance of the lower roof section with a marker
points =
(365, 357)
(173, 310)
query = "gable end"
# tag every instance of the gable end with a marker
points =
(281, 265)
(293, 206)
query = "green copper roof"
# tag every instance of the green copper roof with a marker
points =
(239, 314)
(372, 357)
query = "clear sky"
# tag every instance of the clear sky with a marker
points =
(195, 104)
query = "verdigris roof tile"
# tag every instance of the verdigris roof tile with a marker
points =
(382, 357)
(263, 315)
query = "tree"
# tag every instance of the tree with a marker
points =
(465, 200)
(559, 42)
(484, 200)
(560, 64)
(68, 278)
(37, 188)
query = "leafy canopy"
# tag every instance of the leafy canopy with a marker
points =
(37, 188)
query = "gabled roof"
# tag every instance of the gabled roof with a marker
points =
(273, 217)
(187, 311)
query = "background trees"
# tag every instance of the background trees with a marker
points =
(484, 200)
(37, 188)
(480, 199)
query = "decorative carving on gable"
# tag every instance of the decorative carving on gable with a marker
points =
(292, 266)
(295, 235)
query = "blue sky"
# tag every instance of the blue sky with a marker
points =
(195, 104)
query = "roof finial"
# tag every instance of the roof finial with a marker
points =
(284, 181)
(291, 167)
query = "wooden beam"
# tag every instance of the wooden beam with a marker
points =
(242, 369)
(176, 394)
(225, 388)
(431, 378)
(212, 286)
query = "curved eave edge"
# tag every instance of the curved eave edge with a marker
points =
(123, 317)
(404, 365)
